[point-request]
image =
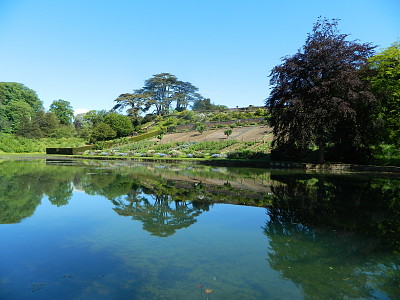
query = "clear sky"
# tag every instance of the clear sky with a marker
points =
(88, 52)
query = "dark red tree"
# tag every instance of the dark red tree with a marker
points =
(319, 97)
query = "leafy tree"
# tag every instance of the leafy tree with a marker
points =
(318, 97)
(48, 122)
(228, 132)
(63, 110)
(102, 132)
(17, 102)
(13, 92)
(64, 131)
(19, 112)
(136, 102)
(185, 93)
(5, 123)
(93, 117)
(160, 136)
(29, 128)
(121, 124)
(385, 82)
(205, 104)
(159, 91)
(200, 128)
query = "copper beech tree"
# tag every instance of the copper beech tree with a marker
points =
(319, 97)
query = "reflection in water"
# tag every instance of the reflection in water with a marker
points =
(314, 230)
(23, 185)
(159, 215)
(332, 236)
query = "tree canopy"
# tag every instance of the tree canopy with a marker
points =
(319, 98)
(18, 103)
(385, 80)
(14, 92)
(159, 92)
(206, 105)
(63, 110)
(121, 124)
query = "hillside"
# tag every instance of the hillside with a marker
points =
(241, 134)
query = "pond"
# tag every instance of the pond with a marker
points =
(113, 230)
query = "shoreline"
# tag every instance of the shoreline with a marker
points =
(327, 167)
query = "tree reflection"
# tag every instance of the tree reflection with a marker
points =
(159, 214)
(23, 185)
(327, 233)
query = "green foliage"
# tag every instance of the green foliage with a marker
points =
(14, 92)
(93, 117)
(63, 131)
(15, 144)
(18, 112)
(119, 123)
(206, 105)
(221, 116)
(63, 111)
(201, 127)
(102, 132)
(139, 145)
(100, 145)
(145, 135)
(47, 122)
(386, 155)
(29, 128)
(385, 80)
(159, 92)
(228, 132)
(212, 145)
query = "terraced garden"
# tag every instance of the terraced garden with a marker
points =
(245, 142)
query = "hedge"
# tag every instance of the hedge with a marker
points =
(80, 150)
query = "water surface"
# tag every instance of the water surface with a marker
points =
(91, 230)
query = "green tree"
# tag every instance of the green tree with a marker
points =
(205, 105)
(200, 128)
(5, 123)
(17, 102)
(318, 97)
(48, 122)
(29, 128)
(228, 132)
(121, 124)
(13, 92)
(93, 117)
(385, 81)
(185, 93)
(19, 112)
(159, 91)
(63, 110)
(136, 102)
(102, 132)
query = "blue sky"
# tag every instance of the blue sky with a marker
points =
(89, 52)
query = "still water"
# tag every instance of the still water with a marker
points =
(112, 230)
